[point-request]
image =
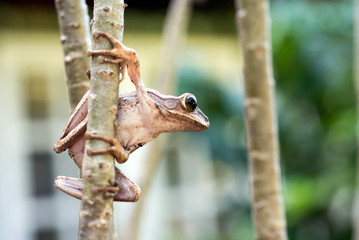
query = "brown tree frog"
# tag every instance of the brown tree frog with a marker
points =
(142, 115)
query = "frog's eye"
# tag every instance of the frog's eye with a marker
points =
(190, 102)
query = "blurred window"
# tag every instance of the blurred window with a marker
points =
(42, 173)
(46, 234)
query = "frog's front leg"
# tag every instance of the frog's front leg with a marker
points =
(120, 154)
(124, 56)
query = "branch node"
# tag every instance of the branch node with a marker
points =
(107, 75)
(259, 48)
(63, 39)
(241, 13)
(88, 173)
(100, 165)
(98, 223)
(251, 105)
(259, 156)
(75, 25)
(84, 213)
(259, 205)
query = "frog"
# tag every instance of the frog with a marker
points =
(141, 116)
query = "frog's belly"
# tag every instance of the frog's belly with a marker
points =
(135, 131)
(133, 138)
(137, 125)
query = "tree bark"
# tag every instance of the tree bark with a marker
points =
(261, 122)
(75, 38)
(96, 213)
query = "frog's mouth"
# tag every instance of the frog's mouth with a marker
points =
(199, 119)
(195, 121)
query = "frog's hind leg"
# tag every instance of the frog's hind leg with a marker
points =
(128, 190)
(122, 190)
(71, 186)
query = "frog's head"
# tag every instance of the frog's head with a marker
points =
(181, 113)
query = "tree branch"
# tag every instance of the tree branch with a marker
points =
(74, 27)
(261, 122)
(96, 211)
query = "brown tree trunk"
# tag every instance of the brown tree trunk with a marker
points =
(96, 213)
(261, 122)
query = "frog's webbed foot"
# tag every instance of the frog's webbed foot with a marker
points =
(116, 149)
(120, 189)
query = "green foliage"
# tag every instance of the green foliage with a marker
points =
(313, 59)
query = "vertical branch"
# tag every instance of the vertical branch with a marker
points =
(174, 31)
(74, 27)
(356, 81)
(96, 213)
(261, 122)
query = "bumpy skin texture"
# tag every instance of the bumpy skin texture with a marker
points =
(142, 115)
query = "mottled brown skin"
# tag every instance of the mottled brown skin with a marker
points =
(142, 115)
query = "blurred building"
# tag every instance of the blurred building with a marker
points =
(34, 112)
(197, 193)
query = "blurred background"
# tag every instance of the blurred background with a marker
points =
(201, 188)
